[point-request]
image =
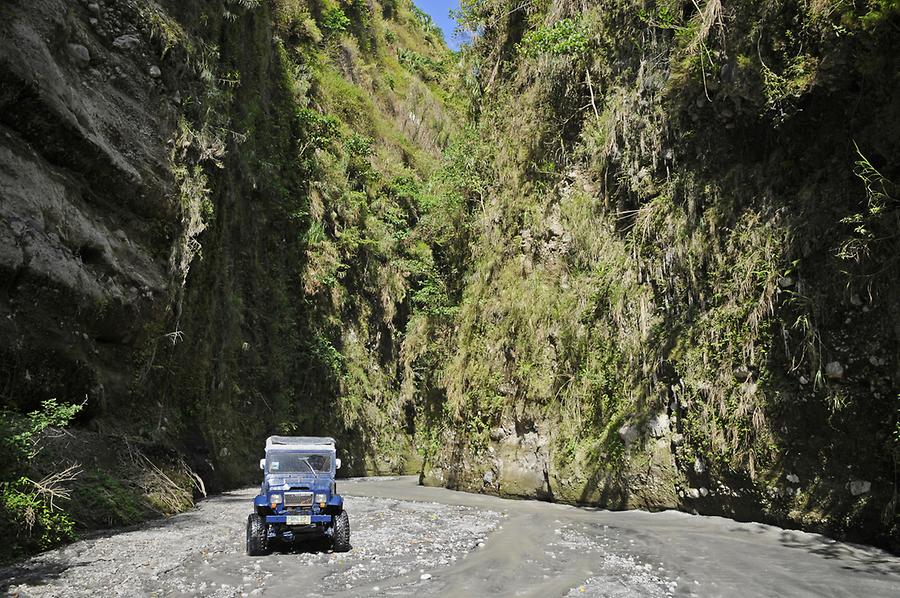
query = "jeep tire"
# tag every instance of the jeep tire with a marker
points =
(257, 535)
(341, 537)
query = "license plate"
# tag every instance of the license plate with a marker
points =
(298, 520)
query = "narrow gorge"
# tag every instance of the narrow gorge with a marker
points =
(623, 253)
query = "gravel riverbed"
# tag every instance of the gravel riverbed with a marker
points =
(201, 553)
(408, 540)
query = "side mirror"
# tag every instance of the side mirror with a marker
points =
(262, 464)
(337, 463)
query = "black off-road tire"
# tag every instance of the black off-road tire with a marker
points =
(257, 536)
(340, 540)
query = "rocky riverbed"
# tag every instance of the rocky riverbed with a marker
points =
(409, 540)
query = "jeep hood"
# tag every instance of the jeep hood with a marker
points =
(275, 480)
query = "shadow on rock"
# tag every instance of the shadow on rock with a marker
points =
(853, 557)
(314, 546)
(35, 574)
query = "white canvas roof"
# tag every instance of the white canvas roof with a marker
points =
(308, 443)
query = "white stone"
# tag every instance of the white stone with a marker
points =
(858, 487)
(834, 370)
(793, 478)
(79, 53)
(693, 493)
(699, 465)
(658, 425)
(127, 42)
(155, 72)
(425, 576)
(629, 434)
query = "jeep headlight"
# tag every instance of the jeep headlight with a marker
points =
(321, 499)
(275, 499)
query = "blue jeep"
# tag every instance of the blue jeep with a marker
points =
(298, 499)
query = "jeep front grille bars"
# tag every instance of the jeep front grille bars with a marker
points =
(298, 499)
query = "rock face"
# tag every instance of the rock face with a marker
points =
(645, 262)
(85, 183)
(159, 176)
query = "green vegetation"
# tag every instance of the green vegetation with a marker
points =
(644, 246)
(33, 514)
(566, 37)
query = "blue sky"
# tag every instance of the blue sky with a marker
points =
(440, 12)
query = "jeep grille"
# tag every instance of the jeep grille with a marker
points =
(298, 499)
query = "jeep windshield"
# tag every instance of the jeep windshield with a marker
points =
(298, 462)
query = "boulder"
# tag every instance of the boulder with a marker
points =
(658, 426)
(699, 465)
(834, 370)
(858, 487)
(128, 41)
(629, 434)
(79, 53)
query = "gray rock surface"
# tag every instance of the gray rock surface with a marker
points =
(834, 370)
(79, 53)
(128, 41)
(658, 426)
(629, 434)
(84, 189)
(858, 487)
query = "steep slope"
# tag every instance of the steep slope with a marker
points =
(203, 239)
(683, 284)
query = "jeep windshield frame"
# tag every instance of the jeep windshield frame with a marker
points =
(299, 462)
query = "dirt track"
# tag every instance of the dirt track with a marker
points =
(409, 540)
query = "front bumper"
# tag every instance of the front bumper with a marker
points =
(314, 518)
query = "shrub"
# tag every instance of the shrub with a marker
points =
(566, 37)
(31, 517)
(335, 21)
